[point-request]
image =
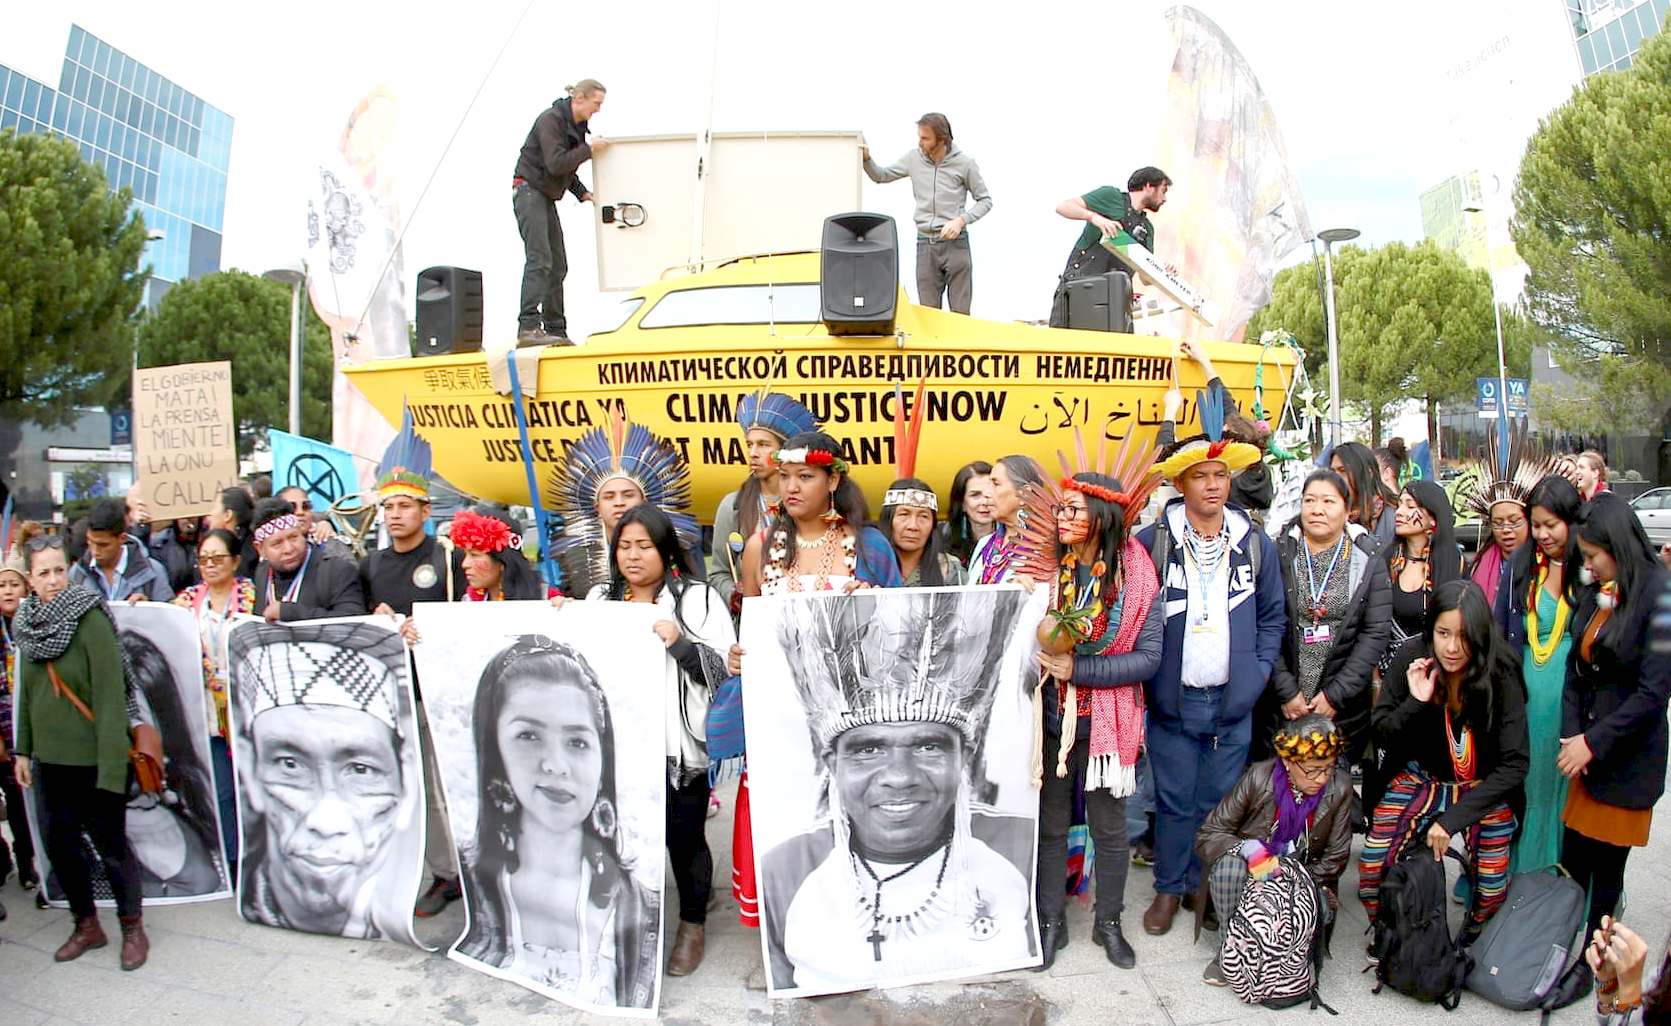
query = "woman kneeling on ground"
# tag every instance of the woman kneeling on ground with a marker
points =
(1299, 804)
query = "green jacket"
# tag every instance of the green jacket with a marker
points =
(51, 730)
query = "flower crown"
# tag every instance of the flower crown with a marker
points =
(812, 458)
(1098, 491)
(480, 533)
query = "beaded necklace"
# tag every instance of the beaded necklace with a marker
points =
(874, 904)
(1401, 557)
(1543, 651)
(777, 564)
(1464, 757)
(1207, 554)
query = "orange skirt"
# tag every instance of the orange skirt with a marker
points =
(1627, 828)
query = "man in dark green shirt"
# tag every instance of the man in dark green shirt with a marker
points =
(1107, 210)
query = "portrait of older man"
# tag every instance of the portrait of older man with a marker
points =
(905, 875)
(326, 776)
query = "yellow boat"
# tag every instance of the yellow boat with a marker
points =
(689, 347)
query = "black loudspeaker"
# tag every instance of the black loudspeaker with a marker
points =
(1100, 302)
(449, 311)
(859, 274)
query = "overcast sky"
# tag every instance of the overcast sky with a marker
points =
(1377, 102)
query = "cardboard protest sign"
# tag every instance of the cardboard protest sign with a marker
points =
(185, 437)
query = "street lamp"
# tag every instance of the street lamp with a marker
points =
(1475, 204)
(1330, 236)
(293, 275)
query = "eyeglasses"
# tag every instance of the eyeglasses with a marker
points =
(213, 560)
(1072, 512)
(1314, 772)
(1508, 525)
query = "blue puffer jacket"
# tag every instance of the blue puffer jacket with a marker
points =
(1258, 613)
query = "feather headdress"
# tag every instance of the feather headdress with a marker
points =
(1211, 445)
(774, 412)
(1527, 466)
(617, 450)
(405, 468)
(898, 658)
(1131, 464)
(908, 433)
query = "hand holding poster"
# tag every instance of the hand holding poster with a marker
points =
(185, 437)
(329, 776)
(890, 773)
(548, 736)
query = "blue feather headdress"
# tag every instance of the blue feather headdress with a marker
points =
(618, 450)
(774, 412)
(406, 466)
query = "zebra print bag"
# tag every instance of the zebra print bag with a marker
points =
(1272, 948)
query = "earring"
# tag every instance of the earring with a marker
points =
(502, 797)
(507, 838)
(832, 515)
(603, 818)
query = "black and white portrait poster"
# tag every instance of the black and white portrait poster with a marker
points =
(175, 835)
(548, 732)
(329, 775)
(890, 749)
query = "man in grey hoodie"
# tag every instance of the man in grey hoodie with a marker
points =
(941, 175)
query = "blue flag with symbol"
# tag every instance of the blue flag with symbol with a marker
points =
(325, 472)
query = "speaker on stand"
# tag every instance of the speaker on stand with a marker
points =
(859, 274)
(449, 311)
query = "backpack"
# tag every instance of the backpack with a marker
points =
(1521, 953)
(1416, 954)
(1272, 949)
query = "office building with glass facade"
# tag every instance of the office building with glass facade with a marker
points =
(149, 134)
(1609, 32)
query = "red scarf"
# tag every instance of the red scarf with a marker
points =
(1116, 712)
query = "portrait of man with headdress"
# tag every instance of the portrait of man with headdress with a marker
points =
(905, 875)
(330, 788)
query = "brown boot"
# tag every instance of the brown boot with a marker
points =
(87, 936)
(688, 945)
(135, 945)
(1158, 919)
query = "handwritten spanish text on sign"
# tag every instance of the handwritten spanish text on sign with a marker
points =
(185, 437)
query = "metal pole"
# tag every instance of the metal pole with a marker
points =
(1334, 347)
(1502, 391)
(296, 357)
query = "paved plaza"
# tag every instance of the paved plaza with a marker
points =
(208, 966)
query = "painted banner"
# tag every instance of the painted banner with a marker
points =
(355, 277)
(185, 437)
(329, 776)
(553, 760)
(325, 472)
(890, 778)
(175, 836)
(1237, 208)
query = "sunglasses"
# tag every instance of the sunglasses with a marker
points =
(44, 542)
(213, 560)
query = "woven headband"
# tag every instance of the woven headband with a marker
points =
(812, 458)
(277, 525)
(915, 497)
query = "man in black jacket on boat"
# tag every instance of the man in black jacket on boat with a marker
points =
(546, 166)
(296, 580)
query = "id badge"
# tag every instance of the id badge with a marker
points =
(1203, 625)
(1318, 635)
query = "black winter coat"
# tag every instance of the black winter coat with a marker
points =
(1358, 648)
(1617, 700)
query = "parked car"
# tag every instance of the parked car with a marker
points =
(1653, 508)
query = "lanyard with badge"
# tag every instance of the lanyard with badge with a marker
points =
(1319, 632)
(295, 588)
